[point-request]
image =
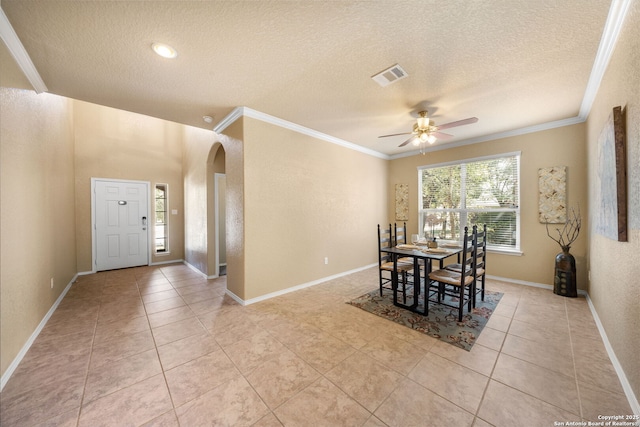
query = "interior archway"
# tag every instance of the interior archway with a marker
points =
(216, 207)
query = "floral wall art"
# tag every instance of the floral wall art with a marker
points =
(402, 202)
(552, 201)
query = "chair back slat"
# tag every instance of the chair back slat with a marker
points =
(479, 247)
(385, 240)
(467, 256)
(400, 234)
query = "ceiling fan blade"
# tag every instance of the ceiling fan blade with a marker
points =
(395, 134)
(458, 123)
(407, 141)
(442, 135)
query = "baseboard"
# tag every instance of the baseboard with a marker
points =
(295, 288)
(194, 268)
(85, 273)
(171, 261)
(215, 276)
(628, 391)
(520, 282)
(235, 297)
(23, 351)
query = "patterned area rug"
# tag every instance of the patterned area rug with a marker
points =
(442, 321)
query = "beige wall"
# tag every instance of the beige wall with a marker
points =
(37, 212)
(234, 212)
(200, 149)
(221, 212)
(198, 143)
(306, 199)
(11, 75)
(215, 166)
(615, 271)
(556, 147)
(117, 144)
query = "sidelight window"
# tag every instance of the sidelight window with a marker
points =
(161, 226)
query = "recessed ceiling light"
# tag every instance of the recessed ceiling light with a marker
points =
(164, 50)
(207, 119)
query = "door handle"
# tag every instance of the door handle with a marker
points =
(144, 220)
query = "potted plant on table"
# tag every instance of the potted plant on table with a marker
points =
(432, 220)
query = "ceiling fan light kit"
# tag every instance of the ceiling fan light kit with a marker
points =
(423, 120)
(425, 131)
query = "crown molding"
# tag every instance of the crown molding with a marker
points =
(254, 114)
(613, 26)
(229, 119)
(494, 136)
(19, 53)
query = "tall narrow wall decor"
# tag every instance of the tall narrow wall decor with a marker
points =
(611, 179)
(402, 202)
(552, 199)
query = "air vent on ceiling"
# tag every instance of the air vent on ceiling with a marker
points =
(390, 75)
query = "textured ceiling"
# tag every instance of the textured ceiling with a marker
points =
(511, 63)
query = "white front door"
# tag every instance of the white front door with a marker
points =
(121, 224)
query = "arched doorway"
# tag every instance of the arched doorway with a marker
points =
(216, 208)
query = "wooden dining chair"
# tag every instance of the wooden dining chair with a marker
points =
(479, 257)
(400, 234)
(456, 284)
(386, 239)
(400, 238)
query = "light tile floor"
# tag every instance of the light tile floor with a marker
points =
(161, 346)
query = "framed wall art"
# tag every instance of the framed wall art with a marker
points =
(552, 195)
(611, 178)
(402, 202)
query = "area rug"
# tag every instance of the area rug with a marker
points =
(442, 321)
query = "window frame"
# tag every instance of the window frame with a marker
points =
(516, 250)
(165, 224)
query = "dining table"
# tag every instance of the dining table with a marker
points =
(427, 256)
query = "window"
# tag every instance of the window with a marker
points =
(161, 228)
(475, 191)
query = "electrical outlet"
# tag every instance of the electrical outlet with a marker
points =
(326, 260)
(52, 283)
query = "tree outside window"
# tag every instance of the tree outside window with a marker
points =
(472, 192)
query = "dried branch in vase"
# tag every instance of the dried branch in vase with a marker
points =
(569, 232)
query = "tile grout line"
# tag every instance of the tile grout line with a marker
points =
(221, 349)
(103, 311)
(573, 360)
(93, 339)
(272, 411)
(155, 344)
(484, 393)
(540, 366)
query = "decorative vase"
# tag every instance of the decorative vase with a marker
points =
(564, 282)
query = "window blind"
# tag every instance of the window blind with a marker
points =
(472, 192)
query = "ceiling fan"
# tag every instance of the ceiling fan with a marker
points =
(424, 130)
